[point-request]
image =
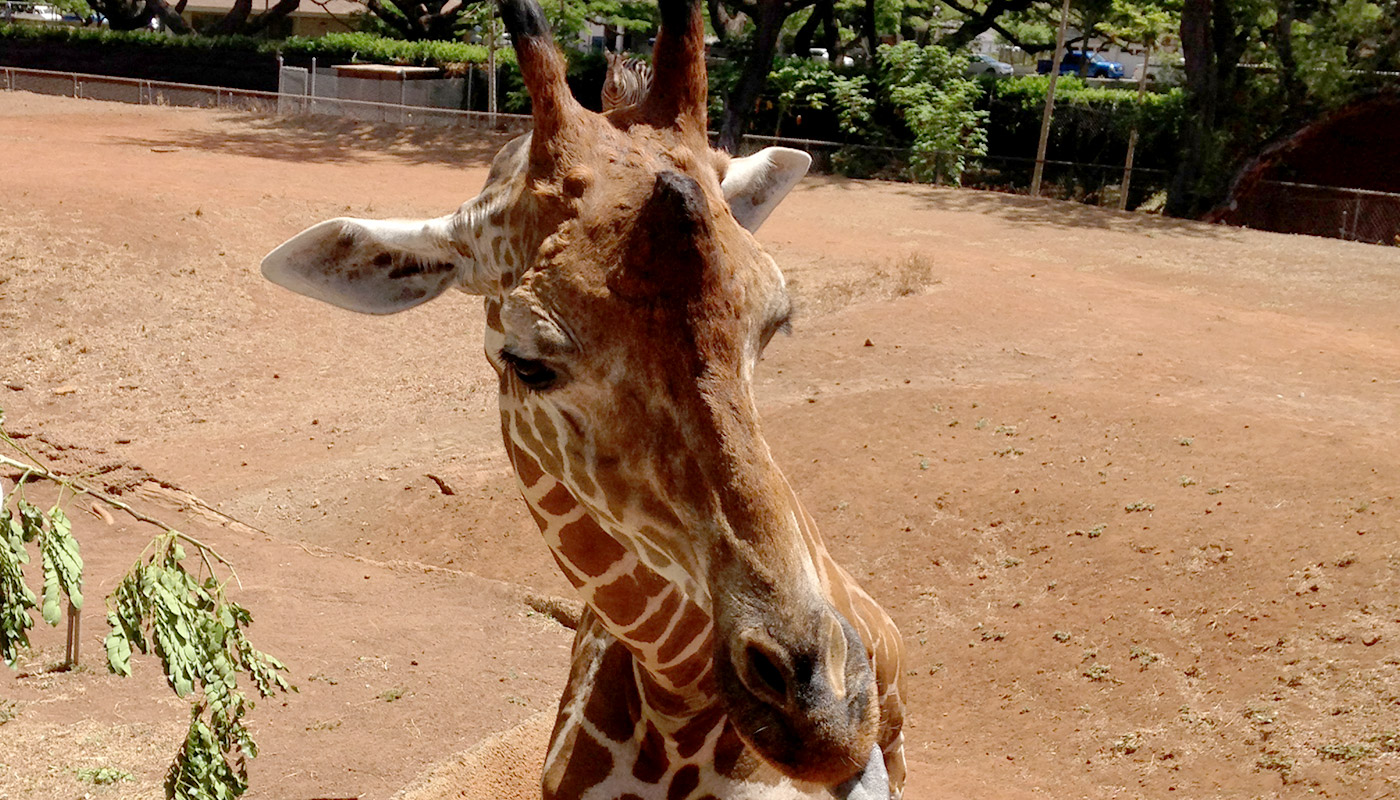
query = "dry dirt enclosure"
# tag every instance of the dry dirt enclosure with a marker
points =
(1128, 485)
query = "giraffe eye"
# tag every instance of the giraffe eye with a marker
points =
(536, 375)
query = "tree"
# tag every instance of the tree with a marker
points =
(130, 15)
(930, 88)
(755, 44)
(1258, 69)
(416, 20)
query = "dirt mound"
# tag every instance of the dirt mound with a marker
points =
(505, 766)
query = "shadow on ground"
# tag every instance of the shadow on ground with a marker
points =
(1038, 211)
(334, 139)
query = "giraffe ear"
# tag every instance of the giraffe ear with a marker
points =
(374, 266)
(754, 185)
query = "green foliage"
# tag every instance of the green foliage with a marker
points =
(929, 88)
(103, 776)
(198, 634)
(1092, 123)
(143, 38)
(62, 567)
(159, 607)
(347, 47)
(368, 48)
(803, 84)
(16, 599)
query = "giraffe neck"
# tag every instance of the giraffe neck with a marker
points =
(668, 632)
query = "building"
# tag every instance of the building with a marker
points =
(310, 18)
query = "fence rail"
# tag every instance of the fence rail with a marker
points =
(1284, 206)
(140, 91)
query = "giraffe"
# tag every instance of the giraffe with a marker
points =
(722, 652)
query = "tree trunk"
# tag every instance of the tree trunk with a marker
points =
(802, 40)
(281, 11)
(125, 16)
(233, 21)
(1201, 97)
(753, 77)
(872, 36)
(169, 17)
(978, 22)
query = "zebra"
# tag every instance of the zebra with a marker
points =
(627, 83)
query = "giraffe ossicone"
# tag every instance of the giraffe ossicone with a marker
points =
(722, 652)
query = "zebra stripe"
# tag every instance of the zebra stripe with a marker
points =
(627, 83)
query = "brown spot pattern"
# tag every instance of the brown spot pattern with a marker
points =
(656, 624)
(662, 700)
(587, 546)
(684, 782)
(685, 673)
(691, 736)
(525, 466)
(728, 750)
(614, 706)
(589, 765)
(558, 502)
(652, 763)
(692, 623)
(624, 600)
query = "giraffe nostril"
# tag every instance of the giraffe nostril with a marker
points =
(765, 676)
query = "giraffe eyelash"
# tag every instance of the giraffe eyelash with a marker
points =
(536, 375)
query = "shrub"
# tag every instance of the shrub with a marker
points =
(929, 88)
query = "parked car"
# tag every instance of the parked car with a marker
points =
(1096, 67)
(980, 66)
(30, 12)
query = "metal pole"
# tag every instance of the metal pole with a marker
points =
(1050, 101)
(1133, 136)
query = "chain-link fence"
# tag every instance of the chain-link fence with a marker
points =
(1287, 207)
(146, 92)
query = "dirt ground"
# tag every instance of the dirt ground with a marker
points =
(1128, 485)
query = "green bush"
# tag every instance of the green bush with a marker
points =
(368, 48)
(928, 85)
(1092, 123)
(349, 47)
(103, 36)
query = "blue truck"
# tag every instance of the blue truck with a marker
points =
(1095, 65)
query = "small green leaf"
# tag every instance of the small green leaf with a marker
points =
(118, 648)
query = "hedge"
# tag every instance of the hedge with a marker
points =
(239, 62)
(354, 47)
(1092, 123)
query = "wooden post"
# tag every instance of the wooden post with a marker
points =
(1133, 135)
(1050, 101)
(491, 70)
(74, 627)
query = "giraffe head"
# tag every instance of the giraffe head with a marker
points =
(627, 305)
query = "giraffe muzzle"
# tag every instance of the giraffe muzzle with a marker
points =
(804, 699)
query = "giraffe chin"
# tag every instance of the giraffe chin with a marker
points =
(871, 783)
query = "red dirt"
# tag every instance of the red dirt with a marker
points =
(1033, 370)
